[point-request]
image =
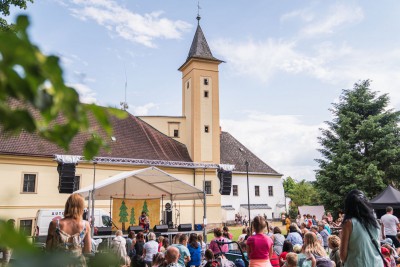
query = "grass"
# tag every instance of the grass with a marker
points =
(236, 231)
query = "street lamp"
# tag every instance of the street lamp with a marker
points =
(246, 163)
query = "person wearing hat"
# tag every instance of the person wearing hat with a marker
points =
(386, 255)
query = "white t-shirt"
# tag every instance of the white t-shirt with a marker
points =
(151, 248)
(390, 224)
(241, 237)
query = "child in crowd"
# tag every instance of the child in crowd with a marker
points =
(291, 260)
(158, 259)
(259, 246)
(209, 260)
(287, 248)
(334, 244)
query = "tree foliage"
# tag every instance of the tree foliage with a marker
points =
(132, 219)
(33, 95)
(360, 146)
(5, 11)
(301, 193)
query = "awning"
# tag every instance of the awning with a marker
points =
(227, 207)
(256, 206)
(148, 183)
(388, 197)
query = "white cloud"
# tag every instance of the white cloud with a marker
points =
(144, 109)
(86, 94)
(336, 16)
(284, 142)
(117, 19)
(304, 14)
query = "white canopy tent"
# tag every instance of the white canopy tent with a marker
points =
(148, 183)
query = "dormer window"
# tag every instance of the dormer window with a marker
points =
(205, 81)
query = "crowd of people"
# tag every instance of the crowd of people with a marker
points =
(363, 241)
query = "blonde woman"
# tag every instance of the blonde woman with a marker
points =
(315, 251)
(72, 233)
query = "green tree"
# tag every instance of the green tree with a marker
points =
(301, 193)
(145, 209)
(360, 147)
(33, 95)
(132, 220)
(123, 214)
(5, 11)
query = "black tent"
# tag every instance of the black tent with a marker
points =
(389, 197)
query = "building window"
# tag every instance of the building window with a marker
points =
(187, 85)
(77, 182)
(257, 190)
(205, 93)
(205, 81)
(270, 191)
(207, 187)
(29, 183)
(176, 133)
(235, 190)
(25, 226)
(206, 129)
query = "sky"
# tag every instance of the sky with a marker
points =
(286, 62)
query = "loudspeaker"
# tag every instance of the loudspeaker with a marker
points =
(66, 180)
(104, 230)
(160, 228)
(185, 227)
(168, 218)
(225, 178)
(135, 229)
(198, 227)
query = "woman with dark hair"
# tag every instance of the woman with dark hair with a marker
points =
(259, 246)
(195, 250)
(294, 237)
(213, 244)
(278, 240)
(287, 248)
(360, 232)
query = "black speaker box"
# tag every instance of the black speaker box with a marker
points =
(135, 229)
(104, 230)
(160, 228)
(225, 178)
(185, 227)
(66, 180)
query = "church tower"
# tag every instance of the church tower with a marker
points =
(200, 100)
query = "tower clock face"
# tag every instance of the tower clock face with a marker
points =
(167, 206)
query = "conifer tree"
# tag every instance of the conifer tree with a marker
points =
(123, 214)
(360, 146)
(145, 209)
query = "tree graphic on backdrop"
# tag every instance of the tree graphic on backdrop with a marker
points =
(145, 209)
(123, 215)
(132, 220)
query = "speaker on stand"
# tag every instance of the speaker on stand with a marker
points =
(225, 178)
(168, 216)
(66, 180)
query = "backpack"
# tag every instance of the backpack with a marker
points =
(323, 261)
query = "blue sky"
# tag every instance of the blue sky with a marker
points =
(286, 61)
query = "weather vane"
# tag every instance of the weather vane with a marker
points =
(198, 12)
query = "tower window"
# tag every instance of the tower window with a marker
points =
(176, 133)
(205, 93)
(205, 81)
(206, 129)
(187, 85)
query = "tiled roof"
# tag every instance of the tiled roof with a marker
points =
(235, 153)
(134, 139)
(256, 206)
(199, 48)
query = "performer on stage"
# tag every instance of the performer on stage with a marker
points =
(144, 221)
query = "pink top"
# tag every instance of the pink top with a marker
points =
(214, 246)
(260, 245)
